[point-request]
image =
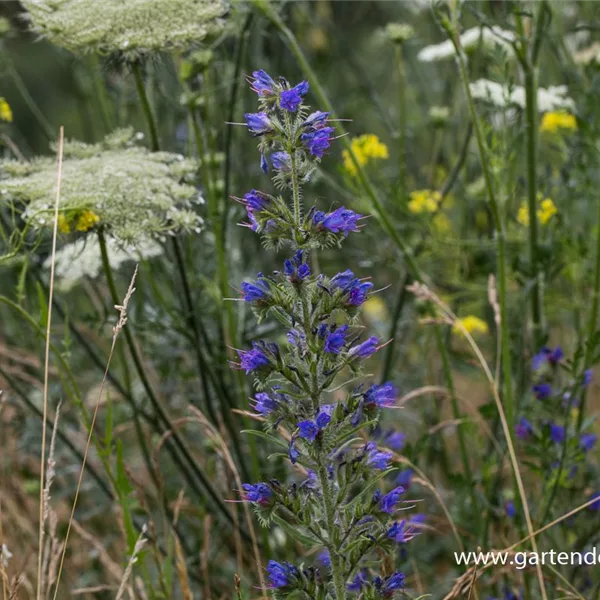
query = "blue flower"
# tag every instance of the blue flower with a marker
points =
(356, 290)
(324, 416)
(293, 452)
(523, 429)
(281, 161)
(557, 433)
(366, 349)
(281, 574)
(308, 430)
(542, 390)
(587, 441)
(324, 559)
(318, 141)
(295, 268)
(258, 493)
(341, 220)
(257, 291)
(258, 123)
(405, 478)
(336, 339)
(255, 200)
(262, 83)
(587, 377)
(376, 458)
(552, 355)
(387, 503)
(398, 532)
(292, 98)
(316, 120)
(381, 395)
(510, 509)
(386, 587)
(394, 440)
(251, 360)
(595, 505)
(357, 583)
(264, 404)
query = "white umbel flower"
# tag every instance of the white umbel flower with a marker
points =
(488, 37)
(548, 99)
(82, 259)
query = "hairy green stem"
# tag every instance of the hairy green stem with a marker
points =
(270, 12)
(337, 567)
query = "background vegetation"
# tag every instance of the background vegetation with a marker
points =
(451, 175)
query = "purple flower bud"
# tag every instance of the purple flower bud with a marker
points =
(259, 493)
(324, 416)
(510, 509)
(388, 586)
(557, 433)
(316, 120)
(542, 390)
(295, 268)
(281, 161)
(292, 98)
(357, 583)
(281, 574)
(343, 280)
(587, 441)
(381, 395)
(366, 349)
(258, 123)
(264, 165)
(551, 355)
(587, 377)
(262, 83)
(340, 220)
(293, 452)
(594, 505)
(264, 404)
(523, 429)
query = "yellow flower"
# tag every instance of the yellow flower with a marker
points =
(63, 224)
(545, 212)
(5, 110)
(424, 201)
(554, 121)
(471, 324)
(364, 147)
(87, 220)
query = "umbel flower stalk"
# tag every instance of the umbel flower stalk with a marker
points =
(308, 391)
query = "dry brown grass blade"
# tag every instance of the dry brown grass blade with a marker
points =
(122, 321)
(423, 291)
(182, 572)
(61, 141)
(139, 545)
(217, 438)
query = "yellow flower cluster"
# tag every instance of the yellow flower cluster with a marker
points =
(84, 222)
(555, 121)
(545, 212)
(365, 148)
(471, 324)
(5, 110)
(423, 201)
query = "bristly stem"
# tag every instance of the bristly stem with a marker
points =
(378, 206)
